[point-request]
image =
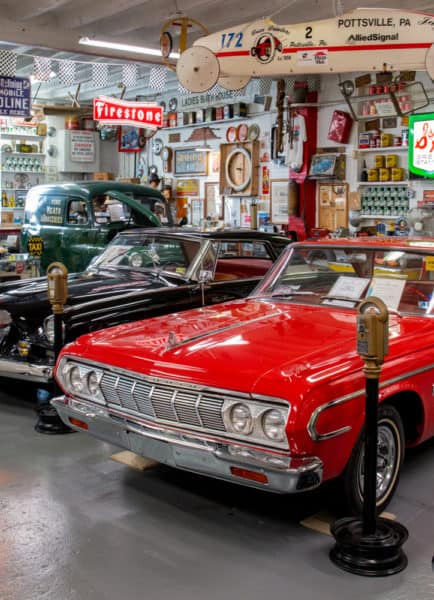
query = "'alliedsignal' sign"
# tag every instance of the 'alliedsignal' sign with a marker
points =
(113, 111)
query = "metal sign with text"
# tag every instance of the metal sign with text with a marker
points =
(15, 96)
(113, 111)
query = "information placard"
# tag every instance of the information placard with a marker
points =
(15, 96)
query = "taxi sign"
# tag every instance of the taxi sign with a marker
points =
(35, 245)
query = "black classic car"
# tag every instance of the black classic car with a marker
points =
(141, 273)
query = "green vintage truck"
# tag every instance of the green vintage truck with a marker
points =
(77, 220)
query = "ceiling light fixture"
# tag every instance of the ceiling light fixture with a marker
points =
(123, 47)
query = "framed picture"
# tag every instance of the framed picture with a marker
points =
(214, 206)
(129, 139)
(189, 161)
(322, 165)
(187, 187)
(279, 201)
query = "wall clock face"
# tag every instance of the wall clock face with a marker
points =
(157, 146)
(238, 169)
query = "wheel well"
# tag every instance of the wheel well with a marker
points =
(410, 408)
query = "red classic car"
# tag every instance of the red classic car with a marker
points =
(269, 391)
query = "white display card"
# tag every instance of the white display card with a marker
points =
(387, 289)
(348, 288)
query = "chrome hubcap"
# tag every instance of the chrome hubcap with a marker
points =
(386, 461)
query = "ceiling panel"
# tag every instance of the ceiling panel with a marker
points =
(52, 28)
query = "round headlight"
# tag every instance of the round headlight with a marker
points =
(93, 383)
(273, 424)
(75, 379)
(49, 328)
(241, 418)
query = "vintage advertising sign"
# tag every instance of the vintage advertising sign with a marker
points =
(113, 111)
(360, 40)
(189, 161)
(35, 245)
(15, 96)
(421, 144)
(82, 146)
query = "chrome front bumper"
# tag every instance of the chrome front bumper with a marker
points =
(281, 474)
(25, 370)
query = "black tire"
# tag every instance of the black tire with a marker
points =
(390, 456)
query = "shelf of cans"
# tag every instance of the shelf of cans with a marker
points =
(384, 201)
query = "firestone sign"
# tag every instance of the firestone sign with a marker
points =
(113, 111)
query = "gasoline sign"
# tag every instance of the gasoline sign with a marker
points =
(15, 96)
(35, 245)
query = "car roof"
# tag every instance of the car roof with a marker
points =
(196, 232)
(393, 242)
(94, 188)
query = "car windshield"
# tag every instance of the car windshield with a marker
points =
(339, 276)
(168, 254)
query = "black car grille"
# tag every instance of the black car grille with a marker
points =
(164, 402)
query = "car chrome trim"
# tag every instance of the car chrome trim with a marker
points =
(284, 473)
(320, 437)
(25, 370)
(169, 403)
(186, 341)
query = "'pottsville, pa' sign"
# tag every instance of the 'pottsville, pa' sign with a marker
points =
(15, 96)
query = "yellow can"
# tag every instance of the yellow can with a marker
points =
(397, 174)
(372, 174)
(379, 161)
(386, 139)
(384, 174)
(391, 161)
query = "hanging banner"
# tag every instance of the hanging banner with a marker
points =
(113, 111)
(15, 96)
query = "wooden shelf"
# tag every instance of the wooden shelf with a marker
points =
(207, 123)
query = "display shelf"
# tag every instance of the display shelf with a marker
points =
(11, 208)
(21, 171)
(384, 149)
(41, 154)
(397, 216)
(408, 99)
(207, 123)
(383, 183)
(26, 136)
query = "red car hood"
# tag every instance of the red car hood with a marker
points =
(246, 345)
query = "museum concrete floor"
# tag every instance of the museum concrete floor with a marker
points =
(77, 525)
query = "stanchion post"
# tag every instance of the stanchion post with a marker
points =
(371, 546)
(57, 278)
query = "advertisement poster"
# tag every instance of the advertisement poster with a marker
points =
(82, 146)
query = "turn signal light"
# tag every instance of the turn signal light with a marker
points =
(252, 475)
(78, 423)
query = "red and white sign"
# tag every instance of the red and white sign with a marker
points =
(113, 111)
(82, 146)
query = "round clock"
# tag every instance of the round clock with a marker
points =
(157, 146)
(242, 132)
(173, 104)
(231, 134)
(238, 169)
